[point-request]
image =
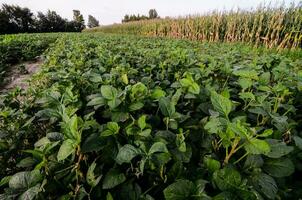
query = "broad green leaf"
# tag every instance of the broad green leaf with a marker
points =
(138, 91)
(176, 96)
(157, 93)
(245, 83)
(142, 122)
(278, 149)
(109, 92)
(26, 162)
(298, 141)
(113, 178)
(97, 101)
(31, 193)
(145, 133)
(24, 180)
(112, 128)
(266, 133)
(265, 184)
(114, 103)
(257, 146)
(93, 143)
(90, 176)
(211, 164)
(126, 154)
(280, 167)
(247, 96)
(125, 78)
(136, 106)
(167, 108)
(253, 161)
(158, 147)
(221, 104)
(180, 190)
(5, 180)
(67, 148)
(227, 178)
(252, 74)
(213, 125)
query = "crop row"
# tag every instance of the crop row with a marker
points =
(121, 117)
(272, 27)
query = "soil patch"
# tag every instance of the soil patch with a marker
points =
(19, 74)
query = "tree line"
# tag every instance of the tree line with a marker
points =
(15, 19)
(152, 15)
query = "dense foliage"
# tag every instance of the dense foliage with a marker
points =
(22, 47)
(14, 19)
(113, 117)
(130, 18)
(272, 27)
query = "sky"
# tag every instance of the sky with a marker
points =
(112, 11)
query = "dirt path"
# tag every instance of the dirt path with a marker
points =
(19, 74)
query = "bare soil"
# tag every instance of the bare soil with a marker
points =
(19, 74)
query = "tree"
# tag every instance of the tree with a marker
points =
(126, 19)
(50, 22)
(79, 19)
(153, 14)
(16, 19)
(92, 22)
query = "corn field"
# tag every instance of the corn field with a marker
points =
(272, 27)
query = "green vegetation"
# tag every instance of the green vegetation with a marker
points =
(15, 19)
(271, 27)
(122, 117)
(22, 47)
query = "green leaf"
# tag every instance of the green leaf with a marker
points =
(114, 103)
(298, 141)
(227, 178)
(138, 91)
(256, 146)
(265, 184)
(252, 74)
(145, 133)
(180, 142)
(113, 178)
(97, 101)
(125, 78)
(126, 154)
(278, 149)
(247, 96)
(109, 196)
(142, 122)
(24, 180)
(31, 193)
(109, 92)
(158, 147)
(67, 148)
(211, 164)
(5, 180)
(26, 162)
(167, 108)
(157, 93)
(90, 177)
(112, 128)
(136, 106)
(180, 190)
(266, 133)
(213, 125)
(221, 104)
(280, 167)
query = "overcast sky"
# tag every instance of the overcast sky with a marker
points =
(112, 11)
